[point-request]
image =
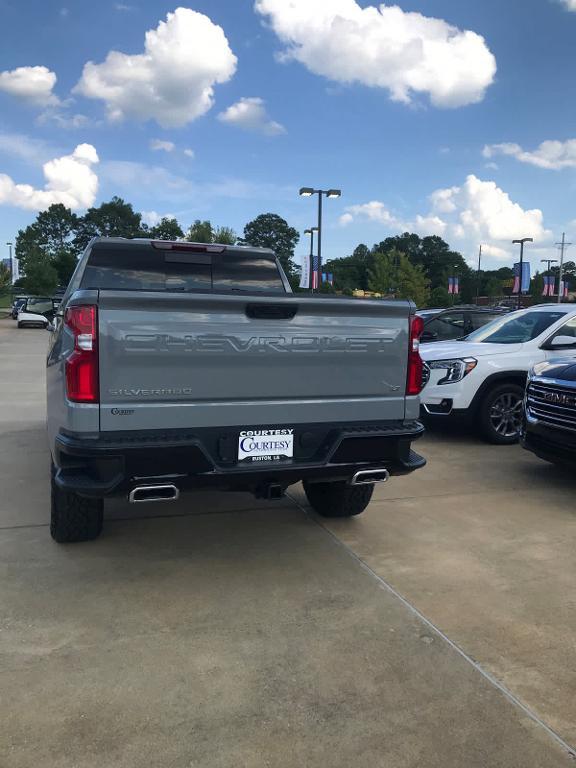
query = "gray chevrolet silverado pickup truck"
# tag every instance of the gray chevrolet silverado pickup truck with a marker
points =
(176, 365)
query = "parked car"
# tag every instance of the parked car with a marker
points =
(481, 378)
(18, 302)
(549, 428)
(449, 324)
(36, 312)
(179, 365)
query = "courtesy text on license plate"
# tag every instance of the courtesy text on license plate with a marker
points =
(262, 445)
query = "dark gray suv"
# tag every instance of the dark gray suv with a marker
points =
(449, 324)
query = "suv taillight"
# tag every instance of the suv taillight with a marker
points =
(82, 365)
(414, 379)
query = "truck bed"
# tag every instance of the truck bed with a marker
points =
(192, 360)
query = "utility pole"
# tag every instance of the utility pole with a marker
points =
(478, 278)
(562, 246)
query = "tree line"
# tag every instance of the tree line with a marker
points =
(404, 266)
(48, 249)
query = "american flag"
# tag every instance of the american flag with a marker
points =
(516, 288)
(549, 285)
(315, 273)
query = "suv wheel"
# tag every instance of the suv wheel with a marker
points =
(338, 499)
(74, 518)
(501, 414)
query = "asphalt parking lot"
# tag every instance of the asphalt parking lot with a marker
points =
(438, 629)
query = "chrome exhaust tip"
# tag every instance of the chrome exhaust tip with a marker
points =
(370, 477)
(149, 493)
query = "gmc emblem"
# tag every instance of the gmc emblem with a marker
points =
(558, 398)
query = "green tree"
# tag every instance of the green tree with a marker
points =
(40, 277)
(200, 232)
(440, 298)
(225, 235)
(393, 272)
(115, 218)
(272, 231)
(205, 232)
(166, 229)
(537, 286)
(4, 277)
(431, 253)
(51, 237)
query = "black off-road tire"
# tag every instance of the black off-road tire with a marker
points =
(20, 325)
(487, 418)
(338, 499)
(74, 518)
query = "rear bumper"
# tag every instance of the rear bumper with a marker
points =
(555, 445)
(116, 463)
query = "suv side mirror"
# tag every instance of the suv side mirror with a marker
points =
(562, 341)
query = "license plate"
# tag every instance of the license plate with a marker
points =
(265, 445)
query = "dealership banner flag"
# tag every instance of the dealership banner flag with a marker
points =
(549, 285)
(525, 277)
(305, 275)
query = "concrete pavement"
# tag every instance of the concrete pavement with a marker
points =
(226, 632)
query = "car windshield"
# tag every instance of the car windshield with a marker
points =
(515, 329)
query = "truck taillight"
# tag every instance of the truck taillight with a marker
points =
(82, 365)
(415, 364)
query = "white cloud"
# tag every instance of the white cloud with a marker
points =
(123, 7)
(481, 210)
(378, 212)
(475, 212)
(189, 153)
(373, 211)
(70, 180)
(33, 151)
(62, 119)
(384, 47)
(569, 4)
(552, 155)
(32, 84)
(250, 114)
(173, 81)
(153, 217)
(64, 12)
(162, 146)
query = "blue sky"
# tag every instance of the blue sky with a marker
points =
(463, 126)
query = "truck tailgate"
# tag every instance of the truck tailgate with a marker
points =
(194, 360)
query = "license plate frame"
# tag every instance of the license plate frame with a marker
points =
(261, 445)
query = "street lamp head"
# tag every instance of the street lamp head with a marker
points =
(334, 193)
(523, 240)
(8, 243)
(306, 191)
(311, 230)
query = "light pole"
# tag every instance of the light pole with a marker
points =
(11, 269)
(308, 192)
(478, 276)
(521, 241)
(311, 233)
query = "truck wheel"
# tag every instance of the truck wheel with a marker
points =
(500, 414)
(338, 499)
(73, 517)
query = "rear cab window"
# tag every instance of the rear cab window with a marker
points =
(143, 267)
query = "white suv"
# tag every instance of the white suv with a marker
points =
(481, 377)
